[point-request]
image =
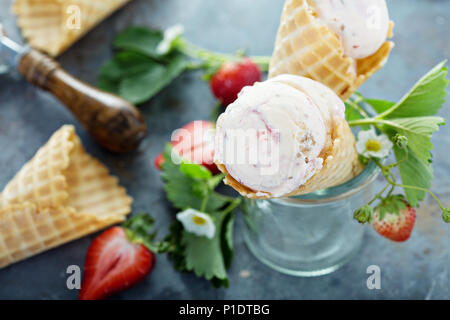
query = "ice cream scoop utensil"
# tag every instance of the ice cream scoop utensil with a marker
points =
(112, 121)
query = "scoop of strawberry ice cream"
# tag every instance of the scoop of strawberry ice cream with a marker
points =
(362, 25)
(272, 137)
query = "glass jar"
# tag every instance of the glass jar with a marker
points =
(313, 234)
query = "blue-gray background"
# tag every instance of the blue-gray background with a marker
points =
(417, 269)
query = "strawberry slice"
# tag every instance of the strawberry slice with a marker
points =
(396, 226)
(194, 142)
(114, 263)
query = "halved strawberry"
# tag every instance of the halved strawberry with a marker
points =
(114, 263)
(397, 225)
(194, 142)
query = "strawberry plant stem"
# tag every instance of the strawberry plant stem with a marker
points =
(418, 189)
(354, 105)
(216, 58)
(233, 205)
(392, 181)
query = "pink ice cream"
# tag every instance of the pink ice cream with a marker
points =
(271, 138)
(362, 25)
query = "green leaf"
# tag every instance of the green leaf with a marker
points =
(156, 76)
(356, 110)
(413, 172)
(204, 256)
(380, 106)
(183, 191)
(215, 181)
(139, 229)
(122, 65)
(195, 171)
(176, 254)
(136, 77)
(108, 84)
(227, 239)
(425, 98)
(351, 113)
(418, 130)
(140, 39)
(125, 64)
(177, 185)
(141, 225)
(189, 186)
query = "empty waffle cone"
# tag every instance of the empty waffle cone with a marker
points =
(341, 164)
(54, 25)
(60, 195)
(306, 47)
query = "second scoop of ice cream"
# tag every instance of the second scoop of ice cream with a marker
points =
(271, 139)
(362, 25)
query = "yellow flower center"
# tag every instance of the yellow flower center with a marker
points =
(373, 145)
(199, 220)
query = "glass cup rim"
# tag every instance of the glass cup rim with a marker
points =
(345, 190)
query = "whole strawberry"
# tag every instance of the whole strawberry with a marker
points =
(232, 77)
(194, 142)
(118, 259)
(394, 219)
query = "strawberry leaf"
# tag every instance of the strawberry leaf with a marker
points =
(140, 39)
(418, 130)
(152, 79)
(380, 106)
(139, 71)
(204, 256)
(227, 239)
(413, 172)
(351, 113)
(190, 186)
(188, 191)
(195, 171)
(139, 229)
(425, 98)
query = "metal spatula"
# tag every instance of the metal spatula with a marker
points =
(112, 121)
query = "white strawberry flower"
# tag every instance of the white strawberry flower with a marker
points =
(197, 222)
(370, 144)
(170, 35)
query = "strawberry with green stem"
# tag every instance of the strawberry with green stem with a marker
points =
(148, 60)
(394, 218)
(409, 124)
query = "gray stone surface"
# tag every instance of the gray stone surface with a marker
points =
(418, 269)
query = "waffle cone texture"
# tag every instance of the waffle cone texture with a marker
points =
(306, 47)
(52, 26)
(60, 195)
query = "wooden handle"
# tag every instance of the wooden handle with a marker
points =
(112, 121)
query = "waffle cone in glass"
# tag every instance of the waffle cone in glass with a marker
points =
(53, 25)
(341, 163)
(60, 195)
(306, 47)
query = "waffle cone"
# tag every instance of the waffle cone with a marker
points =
(341, 164)
(60, 195)
(306, 47)
(48, 25)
